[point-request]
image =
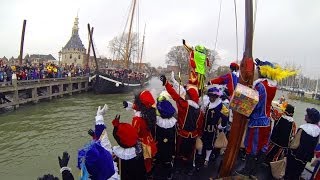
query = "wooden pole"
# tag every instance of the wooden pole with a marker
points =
(89, 47)
(94, 52)
(144, 33)
(22, 41)
(129, 35)
(246, 78)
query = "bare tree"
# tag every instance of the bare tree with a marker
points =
(179, 56)
(292, 81)
(117, 46)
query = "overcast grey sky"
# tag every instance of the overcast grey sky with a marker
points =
(285, 30)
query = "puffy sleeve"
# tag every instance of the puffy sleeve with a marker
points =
(175, 96)
(101, 133)
(136, 124)
(219, 80)
(224, 115)
(99, 127)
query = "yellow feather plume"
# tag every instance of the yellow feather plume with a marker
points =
(276, 73)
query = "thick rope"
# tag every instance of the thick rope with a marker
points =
(219, 17)
(236, 18)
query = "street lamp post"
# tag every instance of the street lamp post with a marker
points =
(59, 57)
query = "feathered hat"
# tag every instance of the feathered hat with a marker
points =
(234, 66)
(95, 160)
(125, 134)
(165, 109)
(193, 93)
(146, 98)
(214, 91)
(273, 72)
(200, 49)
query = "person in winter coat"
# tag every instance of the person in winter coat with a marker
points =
(189, 126)
(308, 138)
(165, 136)
(282, 133)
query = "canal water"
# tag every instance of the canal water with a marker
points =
(32, 137)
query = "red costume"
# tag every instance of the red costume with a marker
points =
(189, 124)
(149, 146)
(230, 79)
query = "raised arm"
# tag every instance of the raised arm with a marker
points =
(219, 80)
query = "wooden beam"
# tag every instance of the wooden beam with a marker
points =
(22, 41)
(246, 78)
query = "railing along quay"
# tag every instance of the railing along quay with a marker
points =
(35, 90)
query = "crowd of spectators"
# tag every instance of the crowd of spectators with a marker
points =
(125, 75)
(40, 71)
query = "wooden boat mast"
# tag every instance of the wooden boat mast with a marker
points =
(22, 41)
(246, 78)
(94, 52)
(127, 56)
(144, 33)
(89, 47)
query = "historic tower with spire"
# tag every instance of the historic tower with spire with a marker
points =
(74, 51)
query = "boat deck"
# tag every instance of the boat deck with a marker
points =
(211, 172)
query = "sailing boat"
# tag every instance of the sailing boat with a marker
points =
(105, 81)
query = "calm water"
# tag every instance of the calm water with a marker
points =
(32, 137)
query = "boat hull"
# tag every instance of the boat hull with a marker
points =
(103, 84)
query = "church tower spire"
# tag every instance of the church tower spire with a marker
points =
(75, 28)
(74, 52)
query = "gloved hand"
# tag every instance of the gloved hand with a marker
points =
(101, 112)
(65, 159)
(209, 83)
(91, 132)
(163, 79)
(125, 104)
(117, 117)
(221, 127)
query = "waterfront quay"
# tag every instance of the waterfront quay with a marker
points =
(33, 91)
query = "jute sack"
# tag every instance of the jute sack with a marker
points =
(221, 141)
(199, 144)
(295, 143)
(278, 168)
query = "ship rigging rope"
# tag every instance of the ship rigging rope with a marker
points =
(219, 17)
(124, 30)
(237, 41)
(255, 15)
(138, 33)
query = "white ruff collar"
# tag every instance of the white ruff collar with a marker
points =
(311, 129)
(215, 103)
(166, 123)
(124, 153)
(290, 119)
(193, 104)
(271, 83)
(137, 113)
